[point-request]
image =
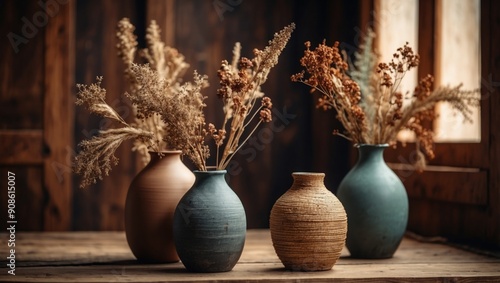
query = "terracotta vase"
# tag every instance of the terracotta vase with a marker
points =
(210, 225)
(150, 205)
(308, 225)
(376, 203)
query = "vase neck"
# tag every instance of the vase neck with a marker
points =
(371, 153)
(164, 156)
(306, 179)
(203, 176)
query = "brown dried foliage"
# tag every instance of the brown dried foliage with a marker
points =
(377, 115)
(240, 84)
(169, 113)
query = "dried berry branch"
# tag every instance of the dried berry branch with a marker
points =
(327, 71)
(367, 99)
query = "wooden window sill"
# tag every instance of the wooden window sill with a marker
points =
(105, 257)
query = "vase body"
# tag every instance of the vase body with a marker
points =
(308, 225)
(376, 204)
(150, 205)
(209, 225)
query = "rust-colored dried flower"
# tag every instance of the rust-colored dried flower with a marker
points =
(266, 102)
(368, 102)
(327, 69)
(265, 115)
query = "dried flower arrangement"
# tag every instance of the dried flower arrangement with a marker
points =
(169, 113)
(240, 89)
(366, 98)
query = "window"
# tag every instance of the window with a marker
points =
(457, 45)
(457, 196)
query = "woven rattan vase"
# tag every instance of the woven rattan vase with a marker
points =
(308, 225)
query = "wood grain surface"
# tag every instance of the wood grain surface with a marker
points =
(105, 257)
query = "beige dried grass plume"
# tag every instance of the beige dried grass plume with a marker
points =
(170, 67)
(167, 111)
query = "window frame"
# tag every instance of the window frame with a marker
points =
(460, 189)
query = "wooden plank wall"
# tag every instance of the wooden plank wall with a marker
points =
(20, 122)
(101, 207)
(37, 111)
(493, 92)
(58, 117)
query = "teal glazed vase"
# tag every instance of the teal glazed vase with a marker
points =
(209, 224)
(376, 204)
(150, 205)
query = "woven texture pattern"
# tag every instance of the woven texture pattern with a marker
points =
(308, 225)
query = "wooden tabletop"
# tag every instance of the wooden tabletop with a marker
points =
(105, 257)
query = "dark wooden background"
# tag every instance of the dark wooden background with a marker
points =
(40, 125)
(206, 37)
(205, 33)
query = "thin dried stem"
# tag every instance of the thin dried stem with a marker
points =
(240, 91)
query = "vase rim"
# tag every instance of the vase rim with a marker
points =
(210, 172)
(382, 145)
(302, 173)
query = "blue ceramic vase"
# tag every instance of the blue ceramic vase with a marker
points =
(209, 225)
(376, 204)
